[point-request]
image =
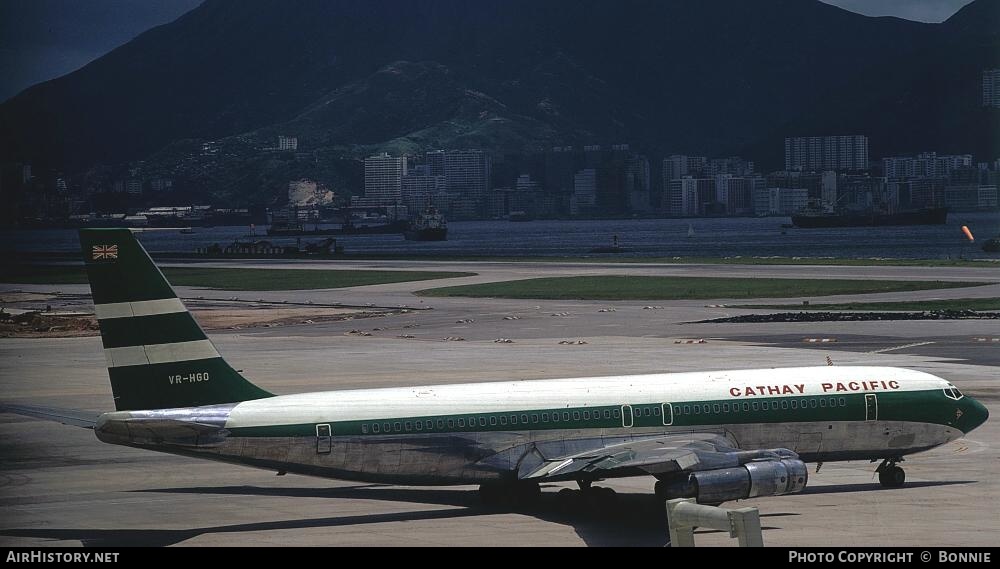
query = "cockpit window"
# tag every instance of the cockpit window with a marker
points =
(953, 393)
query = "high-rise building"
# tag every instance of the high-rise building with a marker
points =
(384, 178)
(689, 196)
(822, 186)
(288, 143)
(133, 186)
(678, 166)
(637, 182)
(817, 153)
(526, 184)
(971, 197)
(863, 192)
(468, 174)
(780, 201)
(991, 88)
(434, 160)
(161, 185)
(924, 165)
(734, 166)
(736, 193)
(917, 192)
(420, 187)
(584, 191)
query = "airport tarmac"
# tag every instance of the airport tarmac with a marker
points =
(60, 486)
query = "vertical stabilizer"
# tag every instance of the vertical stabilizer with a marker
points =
(158, 356)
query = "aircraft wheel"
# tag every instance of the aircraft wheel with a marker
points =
(568, 500)
(492, 494)
(526, 493)
(660, 489)
(599, 499)
(892, 477)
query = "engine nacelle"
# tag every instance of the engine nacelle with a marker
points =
(762, 478)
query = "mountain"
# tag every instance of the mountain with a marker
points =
(350, 76)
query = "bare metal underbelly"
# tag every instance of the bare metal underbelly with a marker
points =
(469, 458)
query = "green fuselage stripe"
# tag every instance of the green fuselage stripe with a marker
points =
(910, 406)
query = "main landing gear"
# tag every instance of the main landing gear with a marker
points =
(890, 475)
(588, 497)
(511, 495)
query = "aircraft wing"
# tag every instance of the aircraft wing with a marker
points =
(72, 417)
(651, 455)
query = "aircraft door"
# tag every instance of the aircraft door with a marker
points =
(668, 414)
(871, 407)
(324, 439)
(627, 420)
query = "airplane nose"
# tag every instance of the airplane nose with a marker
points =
(975, 414)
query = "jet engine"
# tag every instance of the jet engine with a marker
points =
(753, 479)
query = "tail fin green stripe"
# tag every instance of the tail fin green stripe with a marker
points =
(143, 330)
(158, 356)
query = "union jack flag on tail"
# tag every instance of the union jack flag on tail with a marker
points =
(105, 252)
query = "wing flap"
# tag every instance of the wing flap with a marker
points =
(653, 455)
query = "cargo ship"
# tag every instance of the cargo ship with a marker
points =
(810, 219)
(292, 229)
(428, 226)
(365, 226)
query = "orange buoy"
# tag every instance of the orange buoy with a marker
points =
(965, 230)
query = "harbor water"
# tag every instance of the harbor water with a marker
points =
(641, 238)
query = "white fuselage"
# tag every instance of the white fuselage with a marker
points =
(454, 434)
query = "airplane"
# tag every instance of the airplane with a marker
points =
(713, 436)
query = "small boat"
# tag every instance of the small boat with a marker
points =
(519, 217)
(187, 231)
(616, 247)
(690, 231)
(813, 218)
(992, 246)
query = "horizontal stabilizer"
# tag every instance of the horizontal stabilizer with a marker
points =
(72, 417)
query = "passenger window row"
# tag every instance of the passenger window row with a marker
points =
(450, 424)
(638, 411)
(758, 405)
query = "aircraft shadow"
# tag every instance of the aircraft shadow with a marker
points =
(876, 487)
(630, 520)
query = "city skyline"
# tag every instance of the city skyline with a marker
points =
(201, 112)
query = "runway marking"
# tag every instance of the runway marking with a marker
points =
(903, 347)
(820, 340)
